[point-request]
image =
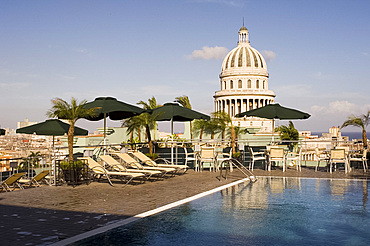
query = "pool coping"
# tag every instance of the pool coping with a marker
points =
(106, 228)
(349, 179)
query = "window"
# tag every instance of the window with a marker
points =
(224, 87)
(249, 84)
(231, 84)
(240, 84)
(257, 84)
(264, 84)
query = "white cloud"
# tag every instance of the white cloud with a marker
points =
(234, 3)
(209, 53)
(65, 77)
(16, 86)
(159, 90)
(344, 108)
(268, 55)
(81, 50)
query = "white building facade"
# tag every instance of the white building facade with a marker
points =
(244, 84)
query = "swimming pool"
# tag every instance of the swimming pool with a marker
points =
(272, 211)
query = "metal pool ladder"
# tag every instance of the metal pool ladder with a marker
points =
(237, 164)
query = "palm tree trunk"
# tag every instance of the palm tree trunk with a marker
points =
(70, 142)
(191, 130)
(201, 134)
(149, 139)
(233, 138)
(364, 138)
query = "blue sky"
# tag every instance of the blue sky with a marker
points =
(318, 53)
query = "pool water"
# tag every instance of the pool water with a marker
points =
(272, 211)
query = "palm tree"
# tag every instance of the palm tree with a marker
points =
(288, 133)
(224, 120)
(212, 127)
(33, 159)
(148, 120)
(185, 102)
(71, 112)
(361, 121)
(133, 124)
(200, 125)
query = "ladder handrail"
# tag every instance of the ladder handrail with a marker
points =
(236, 163)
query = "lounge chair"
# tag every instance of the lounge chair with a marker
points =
(115, 165)
(12, 182)
(99, 171)
(146, 160)
(35, 180)
(130, 161)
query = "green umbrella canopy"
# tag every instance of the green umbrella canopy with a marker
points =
(2, 131)
(175, 112)
(275, 111)
(51, 127)
(112, 108)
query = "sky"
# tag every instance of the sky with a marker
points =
(317, 53)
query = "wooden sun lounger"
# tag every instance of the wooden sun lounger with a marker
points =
(12, 181)
(145, 159)
(114, 164)
(135, 164)
(99, 172)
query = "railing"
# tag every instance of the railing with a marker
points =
(163, 149)
(228, 164)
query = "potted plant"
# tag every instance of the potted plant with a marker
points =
(152, 156)
(72, 170)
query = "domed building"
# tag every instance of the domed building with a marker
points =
(244, 84)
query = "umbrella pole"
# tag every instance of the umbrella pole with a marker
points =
(171, 140)
(53, 164)
(273, 130)
(105, 127)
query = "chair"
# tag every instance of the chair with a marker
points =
(362, 159)
(338, 156)
(276, 154)
(35, 180)
(99, 172)
(207, 154)
(115, 165)
(12, 181)
(191, 156)
(320, 156)
(145, 159)
(131, 162)
(296, 157)
(256, 156)
(222, 156)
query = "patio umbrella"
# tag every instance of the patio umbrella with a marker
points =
(51, 127)
(2, 131)
(174, 112)
(112, 108)
(275, 111)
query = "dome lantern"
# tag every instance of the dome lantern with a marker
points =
(243, 35)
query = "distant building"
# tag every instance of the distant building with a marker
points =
(244, 84)
(24, 123)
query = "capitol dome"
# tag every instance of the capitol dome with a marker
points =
(244, 83)
(244, 59)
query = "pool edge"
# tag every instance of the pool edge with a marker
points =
(106, 228)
